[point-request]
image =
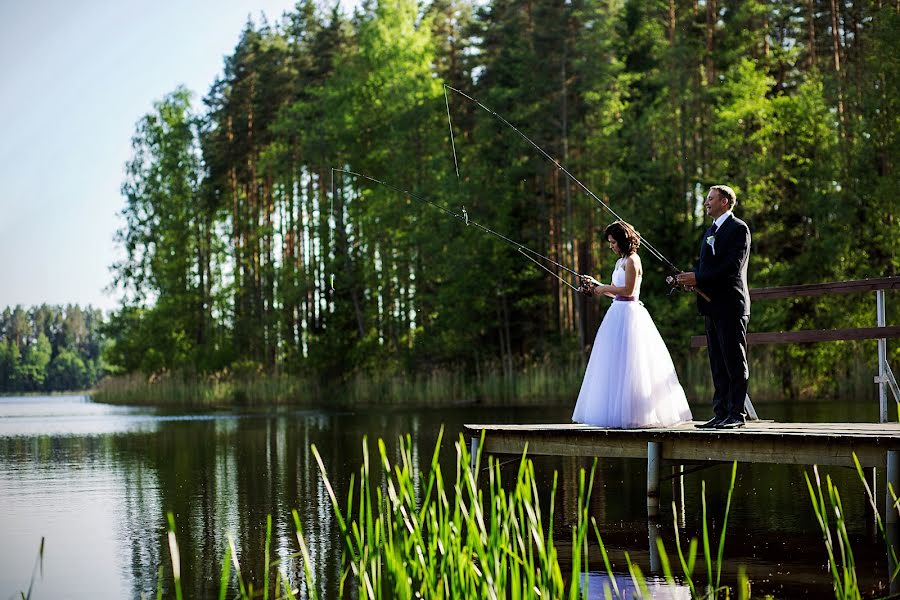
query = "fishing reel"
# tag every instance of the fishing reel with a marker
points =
(586, 285)
(672, 283)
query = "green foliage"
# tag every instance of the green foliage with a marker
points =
(452, 539)
(67, 372)
(50, 348)
(837, 541)
(241, 243)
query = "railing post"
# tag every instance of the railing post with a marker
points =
(882, 358)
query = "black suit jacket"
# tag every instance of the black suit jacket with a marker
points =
(723, 276)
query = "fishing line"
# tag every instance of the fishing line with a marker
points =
(524, 250)
(450, 124)
(656, 253)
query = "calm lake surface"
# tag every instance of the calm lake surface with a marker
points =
(96, 482)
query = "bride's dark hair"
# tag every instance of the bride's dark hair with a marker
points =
(626, 236)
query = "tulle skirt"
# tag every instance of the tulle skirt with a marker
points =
(630, 380)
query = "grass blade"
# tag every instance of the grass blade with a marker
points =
(721, 549)
(176, 558)
(226, 573)
(311, 590)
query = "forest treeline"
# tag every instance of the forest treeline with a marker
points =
(243, 252)
(50, 348)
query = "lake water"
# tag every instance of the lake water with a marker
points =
(96, 482)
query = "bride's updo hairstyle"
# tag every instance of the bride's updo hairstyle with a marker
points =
(626, 236)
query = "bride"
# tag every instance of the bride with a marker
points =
(630, 380)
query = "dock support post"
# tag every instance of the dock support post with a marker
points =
(892, 480)
(678, 493)
(891, 532)
(473, 456)
(652, 534)
(882, 358)
(654, 458)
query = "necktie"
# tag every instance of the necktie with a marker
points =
(713, 229)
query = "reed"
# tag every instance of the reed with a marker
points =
(456, 539)
(485, 543)
(481, 543)
(38, 564)
(547, 381)
(540, 382)
(536, 383)
(827, 504)
(216, 390)
(837, 541)
(469, 538)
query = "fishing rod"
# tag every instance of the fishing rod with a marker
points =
(656, 253)
(522, 249)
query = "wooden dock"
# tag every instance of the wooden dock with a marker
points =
(875, 445)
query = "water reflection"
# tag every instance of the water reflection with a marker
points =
(97, 482)
(599, 586)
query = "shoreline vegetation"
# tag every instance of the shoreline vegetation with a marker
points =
(537, 383)
(265, 221)
(49, 349)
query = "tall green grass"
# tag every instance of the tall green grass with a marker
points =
(38, 564)
(828, 507)
(464, 537)
(471, 539)
(471, 535)
(456, 541)
(216, 390)
(537, 382)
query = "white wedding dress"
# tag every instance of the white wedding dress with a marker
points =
(630, 380)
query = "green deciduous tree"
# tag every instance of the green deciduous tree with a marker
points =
(32, 370)
(241, 250)
(67, 372)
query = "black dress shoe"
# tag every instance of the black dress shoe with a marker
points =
(712, 423)
(731, 423)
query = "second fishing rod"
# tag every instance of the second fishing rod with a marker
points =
(463, 217)
(670, 280)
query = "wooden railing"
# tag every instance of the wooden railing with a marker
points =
(885, 378)
(819, 335)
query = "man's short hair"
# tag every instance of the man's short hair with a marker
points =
(728, 193)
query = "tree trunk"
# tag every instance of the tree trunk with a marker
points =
(836, 48)
(712, 17)
(343, 247)
(671, 23)
(270, 329)
(811, 32)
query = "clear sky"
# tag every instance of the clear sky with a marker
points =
(75, 77)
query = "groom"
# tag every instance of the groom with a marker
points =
(721, 276)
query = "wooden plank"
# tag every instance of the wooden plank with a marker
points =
(812, 335)
(776, 452)
(769, 443)
(819, 289)
(710, 449)
(873, 430)
(562, 445)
